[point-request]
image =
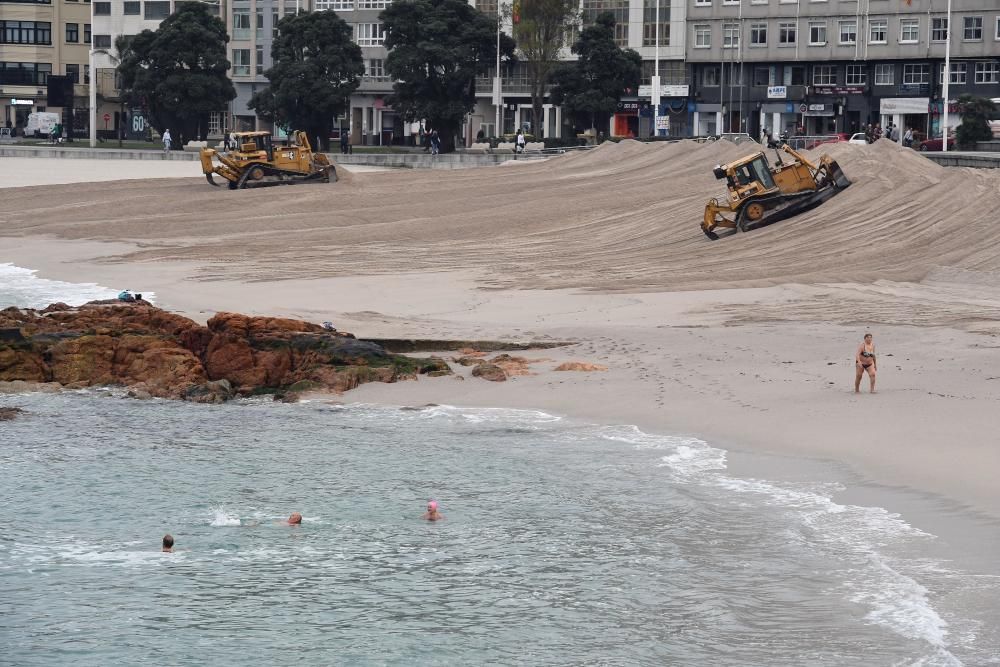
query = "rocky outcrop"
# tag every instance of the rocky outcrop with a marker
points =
(6, 414)
(580, 366)
(160, 354)
(488, 371)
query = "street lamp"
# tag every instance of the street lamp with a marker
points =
(93, 96)
(655, 96)
(947, 80)
(497, 81)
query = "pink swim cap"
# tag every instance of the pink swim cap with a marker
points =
(432, 504)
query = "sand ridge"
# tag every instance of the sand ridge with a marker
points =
(622, 217)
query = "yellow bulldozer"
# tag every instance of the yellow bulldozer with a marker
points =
(760, 194)
(254, 160)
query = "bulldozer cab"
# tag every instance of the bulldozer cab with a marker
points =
(746, 177)
(254, 142)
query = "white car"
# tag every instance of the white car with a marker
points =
(858, 138)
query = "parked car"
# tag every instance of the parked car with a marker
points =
(858, 138)
(935, 144)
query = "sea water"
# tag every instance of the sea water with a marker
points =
(563, 543)
(23, 288)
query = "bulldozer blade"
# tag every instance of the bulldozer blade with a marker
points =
(837, 175)
(211, 181)
(710, 234)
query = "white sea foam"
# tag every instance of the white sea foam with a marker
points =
(222, 518)
(22, 288)
(852, 534)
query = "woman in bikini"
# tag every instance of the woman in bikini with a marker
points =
(865, 361)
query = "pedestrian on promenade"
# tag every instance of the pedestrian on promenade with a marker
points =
(166, 140)
(435, 142)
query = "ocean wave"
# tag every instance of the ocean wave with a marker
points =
(20, 287)
(851, 534)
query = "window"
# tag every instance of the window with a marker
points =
(25, 74)
(998, 29)
(730, 35)
(817, 33)
(909, 31)
(132, 8)
(241, 62)
(370, 34)
(259, 22)
(762, 76)
(259, 58)
(988, 72)
(878, 30)
(702, 36)
(883, 75)
(939, 29)
(241, 24)
(710, 76)
(86, 33)
(215, 123)
(73, 72)
(959, 72)
(373, 4)
(758, 34)
(973, 29)
(787, 34)
(25, 32)
(102, 9)
(274, 24)
(335, 5)
(73, 32)
(730, 2)
(855, 75)
(824, 75)
(758, 2)
(102, 41)
(703, 3)
(86, 74)
(916, 74)
(618, 8)
(375, 70)
(795, 75)
(156, 10)
(848, 32)
(649, 27)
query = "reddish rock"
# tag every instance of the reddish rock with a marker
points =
(580, 366)
(491, 372)
(163, 354)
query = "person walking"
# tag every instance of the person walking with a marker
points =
(345, 141)
(519, 142)
(435, 142)
(166, 140)
(908, 137)
(865, 362)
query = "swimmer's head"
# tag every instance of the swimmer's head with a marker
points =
(295, 519)
(432, 505)
(168, 542)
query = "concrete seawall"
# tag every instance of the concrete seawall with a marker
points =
(88, 153)
(960, 159)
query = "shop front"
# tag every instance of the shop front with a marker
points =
(671, 121)
(17, 109)
(625, 122)
(905, 112)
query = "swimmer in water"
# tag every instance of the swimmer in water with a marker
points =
(295, 519)
(432, 513)
(168, 544)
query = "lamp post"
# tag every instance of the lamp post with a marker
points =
(497, 81)
(947, 80)
(655, 93)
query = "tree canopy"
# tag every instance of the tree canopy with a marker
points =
(178, 72)
(437, 48)
(976, 113)
(316, 67)
(540, 28)
(594, 84)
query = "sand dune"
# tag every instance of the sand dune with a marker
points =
(622, 217)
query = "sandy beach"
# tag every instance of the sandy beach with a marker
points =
(747, 342)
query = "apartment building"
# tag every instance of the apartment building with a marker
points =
(39, 38)
(253, 27)
(635, 28)
(827, 66)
